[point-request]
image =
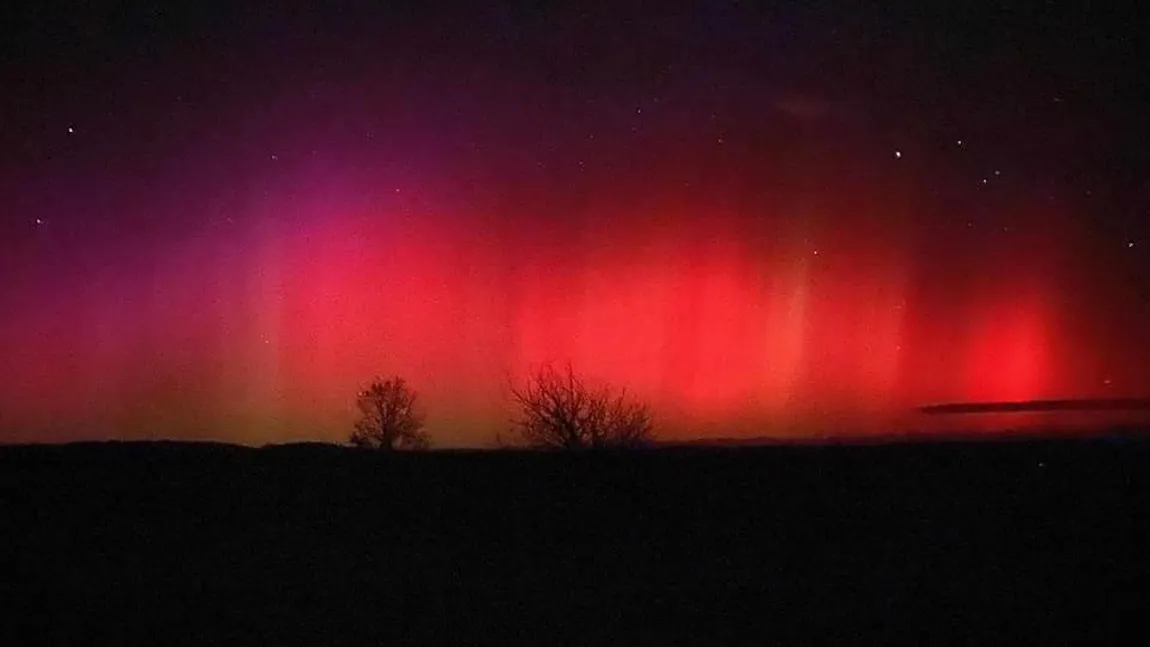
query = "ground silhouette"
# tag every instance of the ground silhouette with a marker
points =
(1034, 541)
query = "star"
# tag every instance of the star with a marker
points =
(1130, 244)
(39, 221)
(71, 130)
(898, 155)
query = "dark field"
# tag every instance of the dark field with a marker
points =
(1030, 541)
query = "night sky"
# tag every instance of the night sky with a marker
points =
(219, 220)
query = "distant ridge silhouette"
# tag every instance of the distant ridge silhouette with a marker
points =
(1085, 404)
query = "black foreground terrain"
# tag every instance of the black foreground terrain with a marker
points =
(169, 543)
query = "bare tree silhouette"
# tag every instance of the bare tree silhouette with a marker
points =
(388, 417)
(557, 409)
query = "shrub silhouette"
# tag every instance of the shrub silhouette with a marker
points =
(388, 417)
(557, 409)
